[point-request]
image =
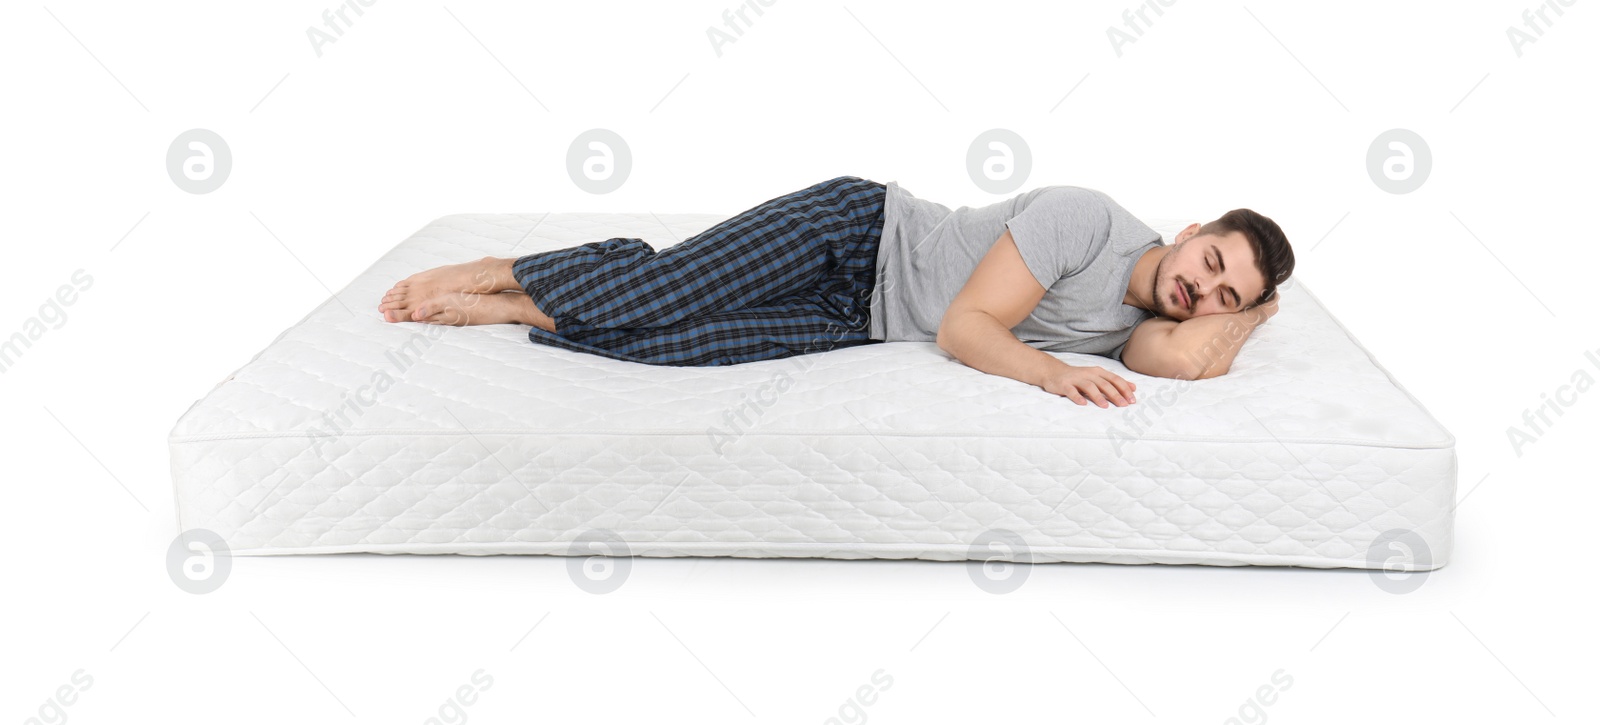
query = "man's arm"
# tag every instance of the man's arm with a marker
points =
(976, 329)
(1195, 349)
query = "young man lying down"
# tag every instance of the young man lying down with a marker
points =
(851, 262)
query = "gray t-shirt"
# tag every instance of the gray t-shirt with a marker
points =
(1078, 243)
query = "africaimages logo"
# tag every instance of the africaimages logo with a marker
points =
(1538, 420)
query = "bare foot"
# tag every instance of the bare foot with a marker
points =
(485, 276)
(466, 308)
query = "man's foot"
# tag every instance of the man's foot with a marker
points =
(485, 276)
(466, 308)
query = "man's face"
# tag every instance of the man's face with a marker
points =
(1206, 275)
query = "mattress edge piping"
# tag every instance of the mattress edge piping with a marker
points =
(569, 433)
(1449, 437)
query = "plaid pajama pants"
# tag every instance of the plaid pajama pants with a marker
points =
(790, 276)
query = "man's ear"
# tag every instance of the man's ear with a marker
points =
(1186, 232)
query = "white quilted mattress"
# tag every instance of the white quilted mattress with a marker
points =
(350, 434)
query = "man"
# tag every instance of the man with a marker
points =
(850, 261)
(1072, 271)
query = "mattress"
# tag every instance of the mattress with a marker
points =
(351, 434)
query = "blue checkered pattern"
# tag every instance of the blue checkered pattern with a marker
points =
(788, 277)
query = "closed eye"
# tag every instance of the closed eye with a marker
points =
(1229, 290)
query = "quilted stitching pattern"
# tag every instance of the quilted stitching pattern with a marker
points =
(349, 434)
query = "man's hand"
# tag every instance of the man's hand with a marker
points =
(1265, 311)
(976, 329)
(1091, 383)
(1195, 349)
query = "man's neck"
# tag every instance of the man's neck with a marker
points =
(1144, 278)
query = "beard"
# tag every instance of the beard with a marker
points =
(1158, 296)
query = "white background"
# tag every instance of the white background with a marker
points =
(1473, 290)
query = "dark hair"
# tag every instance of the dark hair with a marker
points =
(1274, 257)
